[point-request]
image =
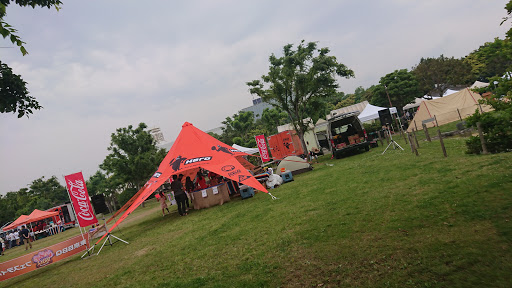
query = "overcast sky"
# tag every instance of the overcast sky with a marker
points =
(100, 65)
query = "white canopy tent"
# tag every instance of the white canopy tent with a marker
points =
(371, 112)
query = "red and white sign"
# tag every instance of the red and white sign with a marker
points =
(262, 146)
(41, 258)
(80, 199)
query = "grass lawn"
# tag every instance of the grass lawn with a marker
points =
(370, 220)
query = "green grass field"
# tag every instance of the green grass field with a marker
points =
(370, 220)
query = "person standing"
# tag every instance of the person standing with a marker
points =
(26, 237)
(200, 181)
(163, 203)
(187, 201)
(179, 195)
(3, 246)
(17, 237)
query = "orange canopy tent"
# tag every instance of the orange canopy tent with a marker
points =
(16, 223)
(195, 149)
(36, 215)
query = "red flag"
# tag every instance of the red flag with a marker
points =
(80, 199)
(262, 146)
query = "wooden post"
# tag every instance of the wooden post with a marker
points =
(482, 139)
(413, 147)
(415, 125)
(481, 110)
(435, 118)
(459, 115)
(426, 133)
(415, 139)
(442, 143)
(410, 142)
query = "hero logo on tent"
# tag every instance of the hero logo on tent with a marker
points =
(198, 159)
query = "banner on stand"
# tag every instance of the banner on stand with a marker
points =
(80, 199)
(262, 146)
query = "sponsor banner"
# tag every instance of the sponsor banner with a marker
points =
(80, 199)
(262, 146)
(42, 258)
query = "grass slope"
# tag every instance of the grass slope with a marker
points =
(370, 220)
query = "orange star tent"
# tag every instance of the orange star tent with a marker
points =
(194, 149)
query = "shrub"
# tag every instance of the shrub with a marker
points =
(496, 125)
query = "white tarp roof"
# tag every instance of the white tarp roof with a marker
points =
(478, 84)
(449, 92)
(418, 101)
(245, 149)
(371, 112)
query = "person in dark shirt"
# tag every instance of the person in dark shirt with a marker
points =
(25, 235)
(179, 195)
(187, 201)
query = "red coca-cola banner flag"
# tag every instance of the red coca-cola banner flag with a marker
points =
(41, 258)
(262, 146)
(80, 199)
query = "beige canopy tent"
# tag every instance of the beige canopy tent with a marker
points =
(447, 109)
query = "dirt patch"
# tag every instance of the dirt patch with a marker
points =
(143, 251)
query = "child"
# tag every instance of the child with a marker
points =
(163, 203)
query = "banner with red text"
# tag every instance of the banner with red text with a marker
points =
(80, 199)
(262, 146)
(42, 258)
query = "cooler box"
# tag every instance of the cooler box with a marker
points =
(246, 192)
(287, 176)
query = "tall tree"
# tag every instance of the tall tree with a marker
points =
(14, 96)
(297, 80)
(401, 86)
(133, 156)
(436, 75)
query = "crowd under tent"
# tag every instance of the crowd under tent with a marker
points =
(192, 150)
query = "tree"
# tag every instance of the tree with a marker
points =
(237, 128)
(13, 91)
(491, 59)
(271, 119)
(436, 75)
(297, 81)
(14, 95)
(133, 156)
(508, 7)
(401, 86)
